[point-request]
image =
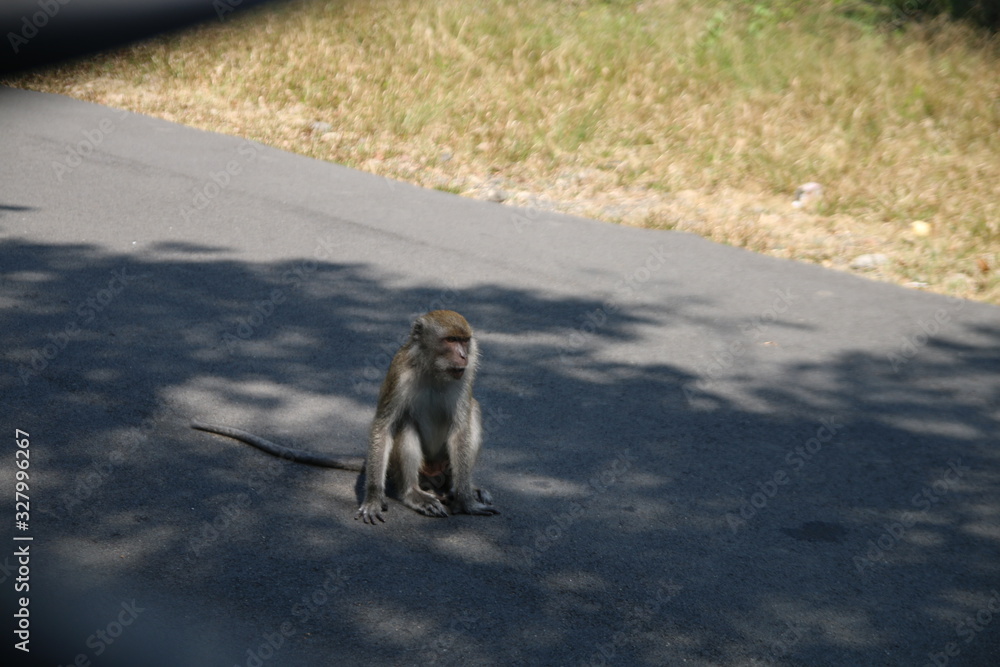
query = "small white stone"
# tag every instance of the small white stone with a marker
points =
(807, 193)
(871, 261)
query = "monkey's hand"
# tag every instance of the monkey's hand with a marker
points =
(371, 510)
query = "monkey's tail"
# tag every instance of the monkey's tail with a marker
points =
(287, 453)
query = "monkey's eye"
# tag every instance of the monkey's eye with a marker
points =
(455, 339)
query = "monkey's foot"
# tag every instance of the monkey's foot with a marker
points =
(371, 510)
(426, 503)
(481, 506)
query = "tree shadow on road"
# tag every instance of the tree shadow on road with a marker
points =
(647, 516)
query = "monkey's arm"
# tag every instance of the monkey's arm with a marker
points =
(380, 443)
(299, 456)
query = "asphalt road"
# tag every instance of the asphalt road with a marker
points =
(702, 456)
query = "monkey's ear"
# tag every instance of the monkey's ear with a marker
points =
(418, 329)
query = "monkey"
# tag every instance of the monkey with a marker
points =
(428, 421)
(427, 429)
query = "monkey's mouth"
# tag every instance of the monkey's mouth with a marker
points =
(456, 373)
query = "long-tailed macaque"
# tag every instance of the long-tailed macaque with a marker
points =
(427, 428)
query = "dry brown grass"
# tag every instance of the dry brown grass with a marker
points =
(670, 114)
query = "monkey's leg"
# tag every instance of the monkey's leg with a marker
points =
(463, 448)
(409, 460)
(436, 478)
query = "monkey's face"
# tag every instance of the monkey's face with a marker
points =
(447, 345)
(453, 355)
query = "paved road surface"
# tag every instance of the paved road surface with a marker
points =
(702, 456)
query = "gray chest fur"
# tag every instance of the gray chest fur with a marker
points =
(434, 412)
